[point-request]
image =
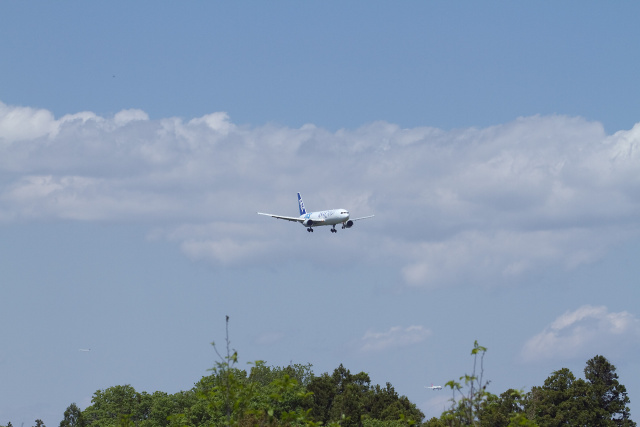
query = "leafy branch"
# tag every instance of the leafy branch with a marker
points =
(466, 406)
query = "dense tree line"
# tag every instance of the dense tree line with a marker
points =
(262, 396)
(563, 400)
(294, 396)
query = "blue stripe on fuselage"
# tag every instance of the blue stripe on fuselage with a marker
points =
(330, 217)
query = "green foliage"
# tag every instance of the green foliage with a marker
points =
(265, 375)
(606, 393)
(73, 417)
(564, 400)
(505, 410)
(113, 406)
(266, 396)
(294, 396)
(472, 404)
(520, 419)
(469, 397)
(349, 399)
(372, 422)
(434, 422)
(558, 401)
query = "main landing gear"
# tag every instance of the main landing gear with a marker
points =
(333, 229)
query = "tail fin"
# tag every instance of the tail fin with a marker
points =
(303, 211)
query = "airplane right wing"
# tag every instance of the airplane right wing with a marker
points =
(288, 218)
(363, 217)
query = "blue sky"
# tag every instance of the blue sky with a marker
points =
(496, 143)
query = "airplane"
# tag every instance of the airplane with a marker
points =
(434, 387)
(315, 219)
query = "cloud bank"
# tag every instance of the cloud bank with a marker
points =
(468, 205)
(582, 334)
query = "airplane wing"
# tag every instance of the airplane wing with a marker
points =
(288, 218)
(363, 217)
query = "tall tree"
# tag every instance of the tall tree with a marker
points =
(499, 411)
(72, 417)
(351, 389)
(608, 395)
(324, 393)
(600, 400)
(350, 400)
(112, 405)
(556, 402)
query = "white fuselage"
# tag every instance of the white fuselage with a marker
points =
(330, 217)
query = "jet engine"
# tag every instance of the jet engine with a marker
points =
(348, 224)
(308, 222)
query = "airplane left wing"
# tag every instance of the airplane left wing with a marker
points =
(288, 218)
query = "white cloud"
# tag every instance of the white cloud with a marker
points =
(471, 205)
(394, 337)
(583, 333)
(221, 242)
(218, 122)
(23, 123)
(500, 256)
(127, 116)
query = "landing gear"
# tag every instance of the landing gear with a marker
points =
(310, 230)
(333, 229)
